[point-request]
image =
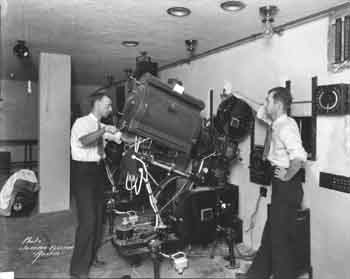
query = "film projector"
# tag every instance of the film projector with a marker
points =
(181, 162)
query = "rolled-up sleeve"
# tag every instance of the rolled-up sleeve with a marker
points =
(290, 136)
(80, 129)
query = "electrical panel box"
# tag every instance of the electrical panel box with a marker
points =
(333, 99)
(335, 182)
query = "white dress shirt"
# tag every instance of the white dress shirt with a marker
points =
(286, 144)
(81, 127)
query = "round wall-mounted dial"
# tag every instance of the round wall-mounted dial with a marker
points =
(328, 99)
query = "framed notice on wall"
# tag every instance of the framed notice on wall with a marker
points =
(339, 40)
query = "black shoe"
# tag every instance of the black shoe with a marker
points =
(125, 277)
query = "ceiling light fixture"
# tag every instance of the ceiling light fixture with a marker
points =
(178, 11)
(20, 49)
(268, 13)
(232, 6)
(130, 43)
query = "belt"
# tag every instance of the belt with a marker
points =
(93, 163)
(301, 172)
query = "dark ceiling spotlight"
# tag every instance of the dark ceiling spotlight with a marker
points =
(130, 43)
(267, 14)
(178, 11)
(232, 6)
(21, 50)
(191, 46)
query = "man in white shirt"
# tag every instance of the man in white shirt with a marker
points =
(87, 147)
(286, 154)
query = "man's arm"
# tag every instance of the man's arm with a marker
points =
(92, 138)
(297, 156)
(255, 105)
(259, 109)
(287, 174)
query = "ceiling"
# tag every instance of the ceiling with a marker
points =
(91, 31)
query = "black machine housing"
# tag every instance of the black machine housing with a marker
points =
(154, 110)
(201, 210)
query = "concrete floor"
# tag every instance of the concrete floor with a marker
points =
(23, 238)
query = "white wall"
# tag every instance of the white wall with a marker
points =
(255, 67)
(19, 113)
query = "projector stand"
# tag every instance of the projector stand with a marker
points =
(154, 246)
(230, 237)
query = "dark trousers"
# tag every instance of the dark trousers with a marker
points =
(87, 189)
(276, 254)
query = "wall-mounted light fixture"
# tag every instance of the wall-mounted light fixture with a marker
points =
(29, 87)
(21, 50)
(191, 46)
(267, 14)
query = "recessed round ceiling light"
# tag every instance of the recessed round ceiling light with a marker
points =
(232, 6)
(178, 11)
(130, 43)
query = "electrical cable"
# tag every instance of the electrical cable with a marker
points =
(152, 178)
(252, 220)
(176, 195)
(152, 199)
(252, 217)
(165, 255)
(138, 190)
(166, 183)
(110, 173)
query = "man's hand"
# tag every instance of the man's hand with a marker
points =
(280, 173)
(255, 105)
(110, 129)
(238, 95)
(116, 137)
(288, 174)
(125, 137)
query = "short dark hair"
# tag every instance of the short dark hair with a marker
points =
(97, 96)
(282, 95)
